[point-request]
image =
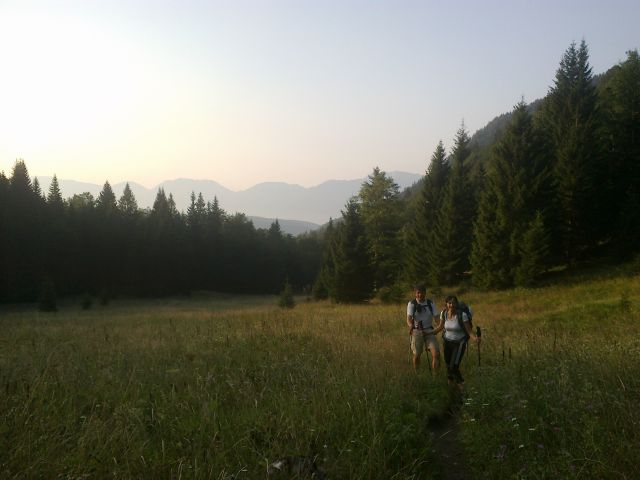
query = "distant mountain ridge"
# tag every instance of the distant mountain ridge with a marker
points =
(298, 209)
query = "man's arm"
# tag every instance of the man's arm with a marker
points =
(410, 322)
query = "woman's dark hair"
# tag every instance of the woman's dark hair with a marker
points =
(452, 298)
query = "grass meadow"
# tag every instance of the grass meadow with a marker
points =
(221, 386)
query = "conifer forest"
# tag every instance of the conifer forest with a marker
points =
(551, 184)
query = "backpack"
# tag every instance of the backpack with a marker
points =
(462, 308)
(417, 308)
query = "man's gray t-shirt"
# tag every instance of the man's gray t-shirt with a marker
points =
(424, 314)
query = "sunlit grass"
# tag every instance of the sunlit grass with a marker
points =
(557, 394)
(220, 386)
(175, 389)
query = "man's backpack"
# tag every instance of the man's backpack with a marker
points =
(462, 308)
(417, 308)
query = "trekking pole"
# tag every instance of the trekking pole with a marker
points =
(478, 334)
(426, 349)
(410, 352)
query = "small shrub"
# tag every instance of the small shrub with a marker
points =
(286, 297)
(625, 302)
(320, 290)
(87, 302)
(393, 294)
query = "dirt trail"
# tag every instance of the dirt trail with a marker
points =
(448, 452)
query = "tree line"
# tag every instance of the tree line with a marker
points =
(558, 184)
(106, 246)
(555, 183)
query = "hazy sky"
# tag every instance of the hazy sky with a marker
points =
(243, 92)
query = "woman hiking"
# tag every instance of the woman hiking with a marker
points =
(457, 331)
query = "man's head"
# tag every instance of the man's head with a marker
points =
(421, 291)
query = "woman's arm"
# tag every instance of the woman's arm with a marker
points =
(440, 326)
(467, 326)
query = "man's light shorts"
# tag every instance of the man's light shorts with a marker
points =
(419, 342)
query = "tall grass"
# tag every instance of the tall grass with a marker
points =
(564, 402)
(219, 387)
(184, 391)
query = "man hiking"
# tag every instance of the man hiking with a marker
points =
(420, 313)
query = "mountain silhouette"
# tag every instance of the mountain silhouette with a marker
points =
(298, 209)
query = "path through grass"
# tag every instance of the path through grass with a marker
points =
(220, 387)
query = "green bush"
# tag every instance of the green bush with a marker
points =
(87, 302)
(286, 297)
(393, 294)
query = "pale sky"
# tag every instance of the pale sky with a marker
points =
(243, 92)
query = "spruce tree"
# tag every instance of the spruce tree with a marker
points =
(108, 242)
(37, 190)
(422, 262)
(24, 236)
(4, 189)
(490, 250)
(106, 204)
(173, 210)
(129, 238)
(160, 207)
(56, 248)
(166, 240)
(353, 273)
(515, 188)
(197, 213)
(215, 215)
(572, 122)
(452, 245)
(4, 202)
(54, 198)
(621, 104)
(20, 183)
(323, 286)
(286, 299)
(274, 229)
(4, 225)
(380, 210)
(533, 251)
(127, 204)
